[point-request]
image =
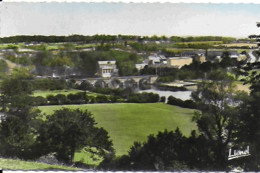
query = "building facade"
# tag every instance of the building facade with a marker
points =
(107, 69)
(178, 62)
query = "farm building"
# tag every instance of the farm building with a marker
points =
(178, 62)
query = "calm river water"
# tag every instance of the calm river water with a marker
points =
(184, 95)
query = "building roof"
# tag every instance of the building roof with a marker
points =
(106, 62)
(107, 67)
(182, 57)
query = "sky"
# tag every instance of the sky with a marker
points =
(147, 19)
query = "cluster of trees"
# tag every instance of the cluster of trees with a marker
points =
(178, 102)
(167, 151)
(83, 98)
(107, 38)
(225, 119)
(143, 98)
(25, 134)
(197, 45)
(80, 98)
(196, 70)
(202, 38)
(84, 63)
(57, 39)
(49, 84)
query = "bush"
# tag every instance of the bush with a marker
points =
(178, 102)
(39, 101)
(49, 84)
(163, 99)
(143, 98)
(52, 100)
(102, 99)
(67, 131)
(62, 99)
(78, 98)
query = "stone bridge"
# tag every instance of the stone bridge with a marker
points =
(120, 82)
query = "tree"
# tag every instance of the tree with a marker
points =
(69, 130)
(15, 94)
(161, 152)
(166, 151)
(19, 124)
(226, 60)
(248, 131)
(17, 134)
(217, 118)
(163, 99)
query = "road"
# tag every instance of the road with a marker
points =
(252, 58)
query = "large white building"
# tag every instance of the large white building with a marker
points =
(107, 69)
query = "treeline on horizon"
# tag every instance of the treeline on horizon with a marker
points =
(109, 38)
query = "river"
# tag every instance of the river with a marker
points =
(183, 95)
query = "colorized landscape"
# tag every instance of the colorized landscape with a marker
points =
(131, 122)
(130, 87)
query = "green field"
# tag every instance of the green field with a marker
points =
(201, 42)
(64, 92)
(129, 122)
(15, 164)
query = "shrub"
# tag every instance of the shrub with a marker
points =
(39, 101)
(178, 102)
(143, 98)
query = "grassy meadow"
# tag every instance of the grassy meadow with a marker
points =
(129, 122)
(16, 164)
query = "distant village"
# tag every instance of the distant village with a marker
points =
(107, 69)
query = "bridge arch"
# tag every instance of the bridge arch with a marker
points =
(86, 85)
(115, 83)
(144, 83)
(100, 83)
(130, 83)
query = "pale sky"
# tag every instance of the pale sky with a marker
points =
(24, 18)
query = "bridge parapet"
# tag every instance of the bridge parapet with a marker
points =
(120, 80)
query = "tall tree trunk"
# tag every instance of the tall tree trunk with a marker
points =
(72, 151)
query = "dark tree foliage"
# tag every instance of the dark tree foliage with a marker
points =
(107, 38)
(49, 84)
(217, 102)
(226, 60)
(17, 134)
(248, 131)
(143, 98)
(178, 102)
(19, 124)
(163, 99)
(15, 94)
(67, 131)
(167, 151)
